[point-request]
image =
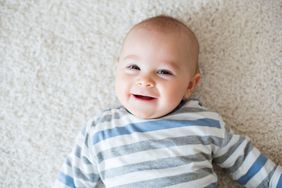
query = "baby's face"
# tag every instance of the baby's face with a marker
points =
(153, 73)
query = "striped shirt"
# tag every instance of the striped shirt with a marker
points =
(117, 149)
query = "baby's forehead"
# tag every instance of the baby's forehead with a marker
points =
(167, 26)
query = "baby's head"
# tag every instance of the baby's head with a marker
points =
(157, 67)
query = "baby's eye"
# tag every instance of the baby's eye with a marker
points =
(164, 72)
(133, 67)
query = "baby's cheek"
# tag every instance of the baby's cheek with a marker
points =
(122, 88)
(175, 95)
(172, 99)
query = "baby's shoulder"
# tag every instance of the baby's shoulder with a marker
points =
(112, 113)
(107, 116)
(194, 108)
(191, 106)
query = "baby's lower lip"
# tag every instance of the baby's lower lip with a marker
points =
(145, 98)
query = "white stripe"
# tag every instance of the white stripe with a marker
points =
(247, 164)
(66, 169)
(193, 116)
(160, 134)
(150, 155)
(203, 182)
(154, 174)
(275, 178)
(261, 174)
(229, 162)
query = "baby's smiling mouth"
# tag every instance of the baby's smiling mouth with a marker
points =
(142, 97)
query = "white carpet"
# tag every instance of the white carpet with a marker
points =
(57, 63)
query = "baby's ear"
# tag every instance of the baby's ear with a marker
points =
(196, 79)
(193, 84)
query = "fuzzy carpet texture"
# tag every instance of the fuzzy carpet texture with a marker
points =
(57, 70)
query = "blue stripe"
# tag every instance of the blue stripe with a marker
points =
(67, 180)
(279, 184)
(152, 126)
(258, 164)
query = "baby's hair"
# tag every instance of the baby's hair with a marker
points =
(164, 23)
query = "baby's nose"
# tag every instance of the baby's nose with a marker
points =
(145, 83)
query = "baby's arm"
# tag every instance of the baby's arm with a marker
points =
(245, 163)
(79, 169)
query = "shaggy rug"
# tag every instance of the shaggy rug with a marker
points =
(57, 61)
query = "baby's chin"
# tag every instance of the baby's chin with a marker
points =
(143, 114)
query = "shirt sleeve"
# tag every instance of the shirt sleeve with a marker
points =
(246, 164)
(79, 168)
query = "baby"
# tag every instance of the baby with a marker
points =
(160, 137)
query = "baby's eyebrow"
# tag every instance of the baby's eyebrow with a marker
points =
(172, 64)
(135, 57)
